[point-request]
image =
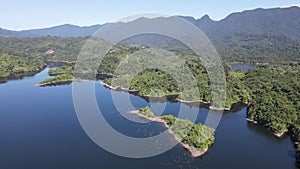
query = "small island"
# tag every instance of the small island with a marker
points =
(196, 138)
(58, 80)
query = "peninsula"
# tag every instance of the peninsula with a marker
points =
(196, 138)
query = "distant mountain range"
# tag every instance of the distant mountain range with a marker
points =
(275, 21)
(66, 30)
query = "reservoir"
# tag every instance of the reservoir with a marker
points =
(39, 129)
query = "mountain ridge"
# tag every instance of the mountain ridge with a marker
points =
(276, 21)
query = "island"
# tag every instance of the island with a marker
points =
(196, 138)
(58, 80)
(270, 93)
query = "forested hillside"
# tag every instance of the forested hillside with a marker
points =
(275, 97)
(254, 48)
(242, 47)
(25, 56)
(49, 48)
(13, 66)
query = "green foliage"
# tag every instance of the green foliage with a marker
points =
(62, 70)
(254, 48)
(196, 66)
(108, 81)
(236, 89)
(195, 135)
(17, 65)
(275, 94)
(59, 79)
(296, 133)
(64, 49)
(154, 83)
(146, 112)
(157, 82)
(20, 57)
(240, 46)
(113, 58)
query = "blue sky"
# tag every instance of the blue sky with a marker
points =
(28, 14)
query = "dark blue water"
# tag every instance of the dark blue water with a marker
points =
(39, 129)
(242, 67)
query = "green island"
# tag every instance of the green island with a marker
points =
(62, 75)
(58, 80)
(196, 138)
(62, 70)
(271, 93)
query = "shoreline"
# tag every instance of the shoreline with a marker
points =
(56, 83)
(193, 152)
(208, 104)
(279, 135)
(252, 121)
(120, 88)
(18, 76)
(192, 102)
(256, 63)
(59, 62)
(117, 88)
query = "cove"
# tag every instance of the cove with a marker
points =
(39, 129)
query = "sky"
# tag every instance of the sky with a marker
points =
(30, 14)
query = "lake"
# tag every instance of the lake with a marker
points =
(242, 67)
(39, 129)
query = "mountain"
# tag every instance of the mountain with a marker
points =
(275, 21)
(258, 48)
(9, 33)
(66, 30)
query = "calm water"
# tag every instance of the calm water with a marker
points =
(39, 129)
(242, 67)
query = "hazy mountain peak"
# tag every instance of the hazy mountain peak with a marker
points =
(276, 21)
(205, 17)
